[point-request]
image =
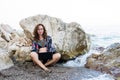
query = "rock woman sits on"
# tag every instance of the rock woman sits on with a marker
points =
(43, 53)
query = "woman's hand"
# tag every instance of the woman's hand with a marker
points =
(44, 49)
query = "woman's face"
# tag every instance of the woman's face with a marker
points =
(40, 30)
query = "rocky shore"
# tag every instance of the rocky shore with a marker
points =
(29, 71)
(107, 61)
(71, 41)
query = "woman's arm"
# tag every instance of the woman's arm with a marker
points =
(34, 47)
(51, 47)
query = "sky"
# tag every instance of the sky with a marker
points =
(95, 16)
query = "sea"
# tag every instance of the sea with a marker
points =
(97, 40)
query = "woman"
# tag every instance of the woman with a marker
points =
(43, 53)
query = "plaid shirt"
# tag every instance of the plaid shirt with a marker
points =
(50, 47)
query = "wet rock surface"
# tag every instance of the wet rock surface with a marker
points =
(108, 61)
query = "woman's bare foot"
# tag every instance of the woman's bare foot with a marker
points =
(48, 70)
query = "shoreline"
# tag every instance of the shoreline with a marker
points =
(30, 71)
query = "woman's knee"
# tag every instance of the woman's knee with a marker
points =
(57, 56)
(33, 54)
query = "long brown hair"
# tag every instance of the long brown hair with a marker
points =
(35, 33)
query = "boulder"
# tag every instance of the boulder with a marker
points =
(7, 33)
(3, 43)
(108, 61)
(111, 55)
(21, 55)
(69, 38)
(5, 61)
(19, 49)
(13, 46)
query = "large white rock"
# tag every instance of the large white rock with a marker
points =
(69, 38)
(5, 61)
(22, 54)
(7, 33)
(12, 46)
(3, 43)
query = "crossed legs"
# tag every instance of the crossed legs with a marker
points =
(54, 59)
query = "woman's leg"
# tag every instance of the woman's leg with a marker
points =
(54, 59)
(34, 57)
